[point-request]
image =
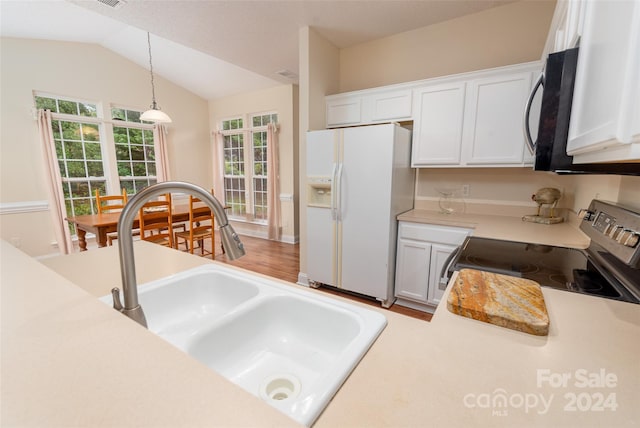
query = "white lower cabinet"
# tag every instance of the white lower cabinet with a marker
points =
(423, 250)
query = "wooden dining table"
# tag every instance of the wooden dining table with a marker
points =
(103, 224)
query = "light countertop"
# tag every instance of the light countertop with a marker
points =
(508, 228)
(68, 360)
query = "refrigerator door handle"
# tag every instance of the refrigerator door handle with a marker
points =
(333, 191)
(338, 186)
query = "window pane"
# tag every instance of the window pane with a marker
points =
(122, 152)
(70, 130)
(118, 113)
(46, 103)
(79, 189)
(95, 169)
(120, 135)
(139, 169)
(128, 185)
(133, 116)
(141, 184)
(82, 206)
(90, 132)
(66, 190)
(73, 150)
(235, 196)
(93, 151)
(68, 107)
(88, 110)
(135, 136)
(124, 169)
(100, 186)
(137, 153)
(76, 169)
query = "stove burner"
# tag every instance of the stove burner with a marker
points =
(590, 282)
(528, 269)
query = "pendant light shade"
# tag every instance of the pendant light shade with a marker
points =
(154, 114)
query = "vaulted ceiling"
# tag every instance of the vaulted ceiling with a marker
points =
(216, 48)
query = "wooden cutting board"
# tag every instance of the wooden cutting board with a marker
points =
(507, 301)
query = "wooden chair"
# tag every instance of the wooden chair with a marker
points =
(108, 204)
(201, 226)
(155, 222)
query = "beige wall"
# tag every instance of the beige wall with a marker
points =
(496, 37)
(284, 101)
(499, 188)
(319, 76)
(88, 72)
(630, 192)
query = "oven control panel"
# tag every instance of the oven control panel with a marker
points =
(614, 227)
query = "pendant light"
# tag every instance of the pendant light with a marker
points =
(154, 114)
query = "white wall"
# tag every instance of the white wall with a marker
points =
(283, 100)
(88, 72)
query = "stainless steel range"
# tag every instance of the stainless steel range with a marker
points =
(609, 268)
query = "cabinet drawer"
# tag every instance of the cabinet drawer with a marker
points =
(433, 233)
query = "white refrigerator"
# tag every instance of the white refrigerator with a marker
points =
(358, 180)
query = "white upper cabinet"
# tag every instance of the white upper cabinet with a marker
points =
(474, 119)
(605, 116)
(493, 119)
(464, 120)
(437, 130)
(566, 27)
(386, 106)
(343, 110)
(368, 107)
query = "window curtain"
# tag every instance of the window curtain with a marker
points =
(162, 156)
(273, 183)
(57, 205)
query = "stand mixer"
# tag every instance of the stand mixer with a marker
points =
(545, 196)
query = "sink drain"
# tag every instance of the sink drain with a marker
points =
(280, 387)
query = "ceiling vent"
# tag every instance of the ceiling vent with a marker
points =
(116, 4)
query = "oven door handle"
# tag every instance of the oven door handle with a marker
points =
(444, 279)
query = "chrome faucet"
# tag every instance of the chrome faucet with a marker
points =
(230, 241)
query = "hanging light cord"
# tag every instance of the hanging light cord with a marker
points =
(153, 88)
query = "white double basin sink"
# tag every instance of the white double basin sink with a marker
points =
(285, 344)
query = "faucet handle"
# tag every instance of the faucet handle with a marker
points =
(115, 294)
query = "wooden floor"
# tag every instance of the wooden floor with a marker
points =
(282, 261)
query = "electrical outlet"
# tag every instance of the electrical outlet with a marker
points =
(465, 190)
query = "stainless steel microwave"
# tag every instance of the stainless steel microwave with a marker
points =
(557, 81)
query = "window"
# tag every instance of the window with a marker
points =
(135, 152)
(79, 153)
(86, 159)
(245, 167)
(234, 178)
